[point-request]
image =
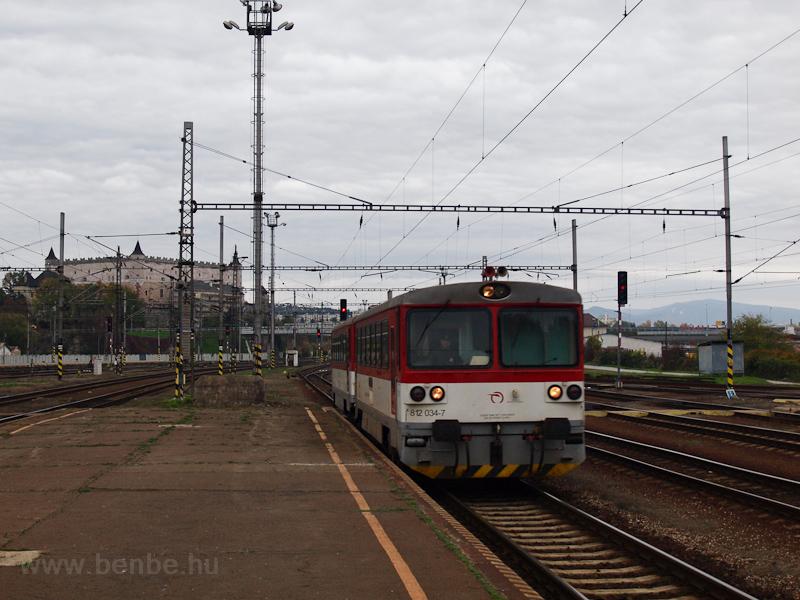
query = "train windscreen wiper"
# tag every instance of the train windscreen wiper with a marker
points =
(429, 323)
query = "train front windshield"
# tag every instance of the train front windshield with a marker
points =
(538, 337)
(463, 338)
(449, 337)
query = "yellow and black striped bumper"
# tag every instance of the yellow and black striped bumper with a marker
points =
(490, 472)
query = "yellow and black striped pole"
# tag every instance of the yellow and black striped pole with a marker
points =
(60, 361)
(731, 392)
(257, 349)
(178, 389)
(220, 358)
(272, 359)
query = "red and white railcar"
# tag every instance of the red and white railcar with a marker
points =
(477, 379)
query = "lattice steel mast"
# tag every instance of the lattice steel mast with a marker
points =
(186, 260)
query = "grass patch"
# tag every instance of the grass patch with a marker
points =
(741, 379)
(176, 403)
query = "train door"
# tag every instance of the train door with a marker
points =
(393, 368)
(351, 364)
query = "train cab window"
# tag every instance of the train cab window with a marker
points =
(535, 337)
(449, 338)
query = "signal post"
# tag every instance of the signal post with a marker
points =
(622, 300)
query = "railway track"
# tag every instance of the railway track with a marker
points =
(66, 390)
(689, 388)
(748, 434)
(766, 493)
(563, 550)
(572, 554)
(129, 392)
(597, 398)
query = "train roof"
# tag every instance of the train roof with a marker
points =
(469, 293)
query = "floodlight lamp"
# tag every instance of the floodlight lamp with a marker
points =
(287, 25)
(276, 7)
(231, 25)
(227, 25)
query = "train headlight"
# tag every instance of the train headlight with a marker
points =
(555, 392)
(417, 393)
(574, 392)
(437, 394)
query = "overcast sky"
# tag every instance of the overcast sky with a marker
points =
(362, 98)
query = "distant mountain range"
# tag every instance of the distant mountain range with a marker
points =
(698, 312)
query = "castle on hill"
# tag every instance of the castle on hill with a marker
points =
(152, 277)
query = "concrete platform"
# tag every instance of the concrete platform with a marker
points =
(283, 500)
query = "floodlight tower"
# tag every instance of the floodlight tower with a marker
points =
(259, 24)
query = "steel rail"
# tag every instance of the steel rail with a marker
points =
(773, 438)
(577, 555)
(793, 418)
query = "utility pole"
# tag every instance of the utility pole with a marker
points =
(731, 393)
(574, 266)
(60, 321)
(272, 223)
(221, 296)
(118, 314)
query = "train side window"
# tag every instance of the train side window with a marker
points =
(371, 345)
(385, 344)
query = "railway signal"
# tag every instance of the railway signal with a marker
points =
(343, 310)
(622, 288)
(622, 300)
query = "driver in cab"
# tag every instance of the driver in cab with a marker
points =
(446, 352)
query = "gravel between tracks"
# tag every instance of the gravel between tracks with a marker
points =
(754, 552)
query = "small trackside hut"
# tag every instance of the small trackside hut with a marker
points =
(479, 379)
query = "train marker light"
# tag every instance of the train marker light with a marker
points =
(495, 291)
(416, 442)
(555, 392)
(574, 392)
(417, 393)
(437, 394)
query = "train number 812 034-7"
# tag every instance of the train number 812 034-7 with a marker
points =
(425, 412)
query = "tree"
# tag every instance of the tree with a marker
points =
(86, 308)
(765, 353)
(756, 334)
(13, 330)
(592, 348)
(11, 280)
